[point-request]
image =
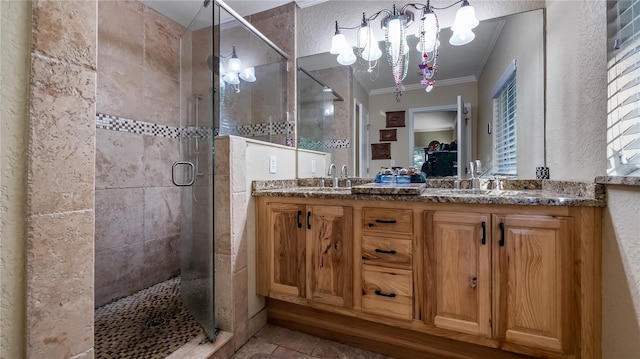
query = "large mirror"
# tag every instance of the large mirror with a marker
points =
(501, 70)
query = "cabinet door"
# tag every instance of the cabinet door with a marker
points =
(533, 291)
(463, 272)
(329, 255)
(286, 236)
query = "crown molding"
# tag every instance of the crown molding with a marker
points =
(308, 3)
(439, 83)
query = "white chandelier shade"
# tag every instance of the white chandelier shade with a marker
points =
(395, 24)
(235, 72)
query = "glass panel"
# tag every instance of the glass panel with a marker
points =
(318, 134)
(252, 86)
(314, 113)
(196, 147)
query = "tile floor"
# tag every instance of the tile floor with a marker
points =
(149, 324)
(288, 344)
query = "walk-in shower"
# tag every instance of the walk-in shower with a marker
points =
(155, 159)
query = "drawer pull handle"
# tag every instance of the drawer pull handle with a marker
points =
(390, 295)
(378, 250)
(387, 221)
(501, 243)
(308, 220)
(299, 223)
(484, 233)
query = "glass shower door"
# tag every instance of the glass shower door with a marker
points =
(195, 169)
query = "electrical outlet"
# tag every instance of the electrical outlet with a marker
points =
(272, 164)
(392, 163)
(313, 167)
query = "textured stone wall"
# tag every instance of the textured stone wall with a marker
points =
(60, 181)
(137, 206)
(15, 29)
(576, 96)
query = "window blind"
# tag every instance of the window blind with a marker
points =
(623, 120)
(504, 115)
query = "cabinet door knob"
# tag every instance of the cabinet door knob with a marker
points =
(389, 295)
(474, 282)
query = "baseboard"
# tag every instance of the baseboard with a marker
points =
(392, 341)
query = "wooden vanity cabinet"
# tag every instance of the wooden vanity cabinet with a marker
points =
(472, 281)
(386, 251)
(506, 277)
(309, 253)
(329, 255)
(462, 244)
(533, 283)
(288, 248)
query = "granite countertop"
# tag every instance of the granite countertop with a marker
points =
(516, 192)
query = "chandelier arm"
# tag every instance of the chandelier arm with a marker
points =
(374, 16)
(416, 6)
(446, 7)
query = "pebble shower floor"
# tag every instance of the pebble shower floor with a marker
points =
(149, 324)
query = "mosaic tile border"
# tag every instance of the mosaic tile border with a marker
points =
(257, 129)
(117, 123)
(320, 145)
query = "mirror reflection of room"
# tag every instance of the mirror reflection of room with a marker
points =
(472, 71)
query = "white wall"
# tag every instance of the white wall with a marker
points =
(257, 168)
(423, 138)
(322, 162)
(440, 96)
(576, 150)
(15, 31)
(522, 40)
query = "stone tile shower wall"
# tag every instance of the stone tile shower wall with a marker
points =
(60, 180)
(137, 241)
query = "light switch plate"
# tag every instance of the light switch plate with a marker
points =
(313, 166)
(272, 164)
(392, 163)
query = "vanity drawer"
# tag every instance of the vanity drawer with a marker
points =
(398, 221)
(387, 292)
(386, 251)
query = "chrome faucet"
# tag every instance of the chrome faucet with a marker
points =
(475, 181)
(345, 174)
(332, 173)
(476, 172)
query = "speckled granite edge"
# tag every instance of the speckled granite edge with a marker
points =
(315, 182)
(526, 192)
(527, 198)
(619, 180)
(378, 188)
(273, 184)
(574, 189)
(512, 184)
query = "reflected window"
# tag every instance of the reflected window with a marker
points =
(504, 118)
(623, 119)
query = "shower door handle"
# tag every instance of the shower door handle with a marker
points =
(192, 168)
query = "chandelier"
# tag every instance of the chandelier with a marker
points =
(395, 24)
(235, 72)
